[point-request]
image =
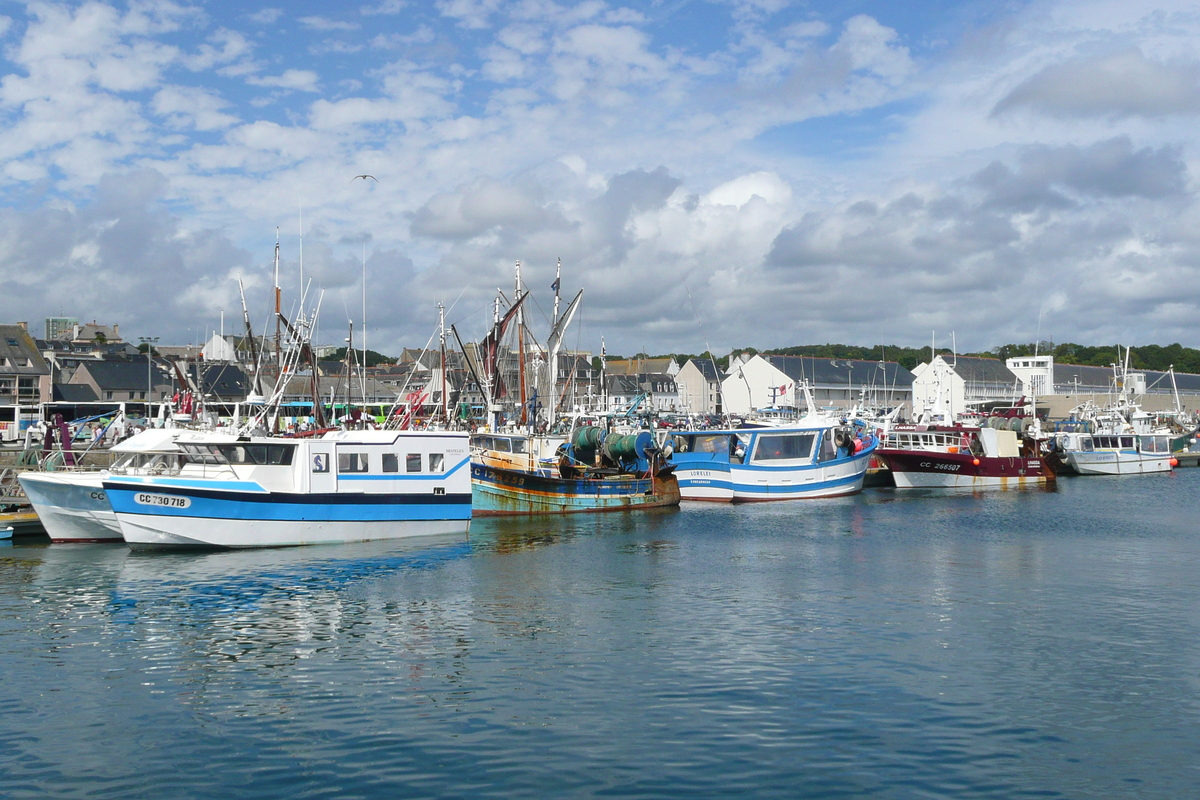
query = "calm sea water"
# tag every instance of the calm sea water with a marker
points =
(1024, 644)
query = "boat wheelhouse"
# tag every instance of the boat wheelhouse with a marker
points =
(818, 458)
(965, 457)
(241, 491)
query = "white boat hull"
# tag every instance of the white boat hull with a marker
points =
(945, 480)
(841, 477)
(71, 506)
(704, 483)
(147, 532)
(1119, 463)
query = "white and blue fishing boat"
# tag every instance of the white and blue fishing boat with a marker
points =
(814, 457)
(241, 491)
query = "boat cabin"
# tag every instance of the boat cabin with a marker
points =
(769, 447)
(1125, 442)
(372, 462)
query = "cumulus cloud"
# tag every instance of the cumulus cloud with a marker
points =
(385, 7)
(185, 106)
(315, 23)
(1123, 84)
(266, 16)
(705, 165)
(303, 80)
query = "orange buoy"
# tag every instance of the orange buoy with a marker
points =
(1174, 462)
(975, 461)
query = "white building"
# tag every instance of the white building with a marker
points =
(952, 385)
(763, 382)
(699, 383)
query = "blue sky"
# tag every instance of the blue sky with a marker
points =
(750, 172)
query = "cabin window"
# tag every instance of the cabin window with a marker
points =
(518, 445)
(1086, 445)
(709, 443)
(391, 462)
(436, 460)
(203, 453)
(412, 462)
(352, 462)
(502, 446)
(776, 447)
(320, 462)
(1127, 442)
(259, 454)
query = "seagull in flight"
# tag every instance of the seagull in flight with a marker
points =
(364, 177)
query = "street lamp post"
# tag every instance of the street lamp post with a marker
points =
(149, 341)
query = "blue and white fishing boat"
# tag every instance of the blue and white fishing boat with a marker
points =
(814, 457)
(242, 491)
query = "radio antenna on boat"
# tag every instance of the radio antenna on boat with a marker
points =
(363, 372)
(278, 310)
(302, 258)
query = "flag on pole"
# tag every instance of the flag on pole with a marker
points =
(554, 286)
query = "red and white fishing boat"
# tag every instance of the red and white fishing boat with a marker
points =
(994, 453)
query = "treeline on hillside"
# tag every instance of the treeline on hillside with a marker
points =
(373, 359)
(1150, 356)
(1147, 356)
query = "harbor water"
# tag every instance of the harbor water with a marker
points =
(890, 645)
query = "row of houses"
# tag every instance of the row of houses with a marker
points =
(91, 363)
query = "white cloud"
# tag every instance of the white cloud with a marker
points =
(266, 16)
(469, 13)
(385, 7)
(303, 80)
(1119, 84)
(315, 23)
(192, 107)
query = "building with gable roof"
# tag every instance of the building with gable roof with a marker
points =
(699, 382)
(24, 373)
(767, 381)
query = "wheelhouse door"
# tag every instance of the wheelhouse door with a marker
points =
(322, 468)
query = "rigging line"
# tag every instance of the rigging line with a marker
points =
(540, 311)
(460, 294)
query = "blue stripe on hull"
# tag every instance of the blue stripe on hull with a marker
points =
(296, 508)
(743, 491)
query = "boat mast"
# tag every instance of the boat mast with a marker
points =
(603, 376)
(257, 383)
(278, 334)
(362, 375)
(552, 367)
(442, 339)
(521, 348)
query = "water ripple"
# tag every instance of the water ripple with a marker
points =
(889, 646)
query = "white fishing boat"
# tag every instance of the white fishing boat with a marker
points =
(72, 505)
(241, 491)
(1121, 454)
